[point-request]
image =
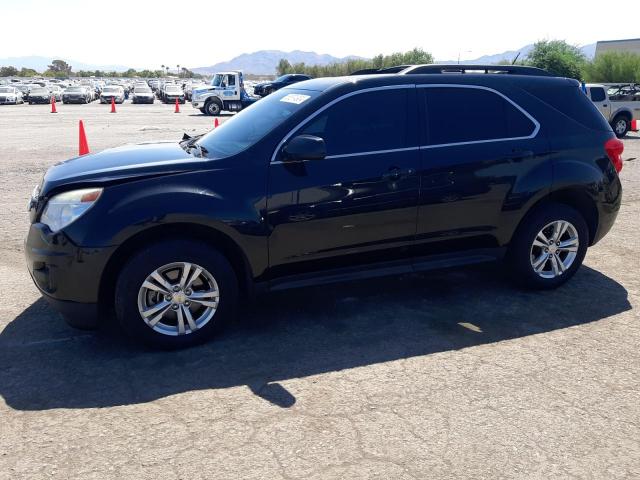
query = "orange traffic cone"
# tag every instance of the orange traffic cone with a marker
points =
(53, 104)
(83, 146)
(113, 105)
(216, 123)
(177, 110)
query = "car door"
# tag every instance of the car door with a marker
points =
(477, 147)
(599, 98)
(358, 204)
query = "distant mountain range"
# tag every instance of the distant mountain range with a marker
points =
(40, 64)
(265, 62)
(589, 51)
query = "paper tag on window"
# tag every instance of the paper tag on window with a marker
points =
(294, 98)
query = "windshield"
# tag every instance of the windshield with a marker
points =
(39, 90)
(6, 90)
(172, 88)
(142, 90)
(282, 78)
(111, 90)
(252, 124)
(74, 89)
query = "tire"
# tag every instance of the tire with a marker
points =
(523, 253)
(203, 110)
(131, 295)
(621, 126)
(213, 107)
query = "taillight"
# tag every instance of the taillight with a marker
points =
(614, 148)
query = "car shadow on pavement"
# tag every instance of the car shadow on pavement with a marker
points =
(292, 334)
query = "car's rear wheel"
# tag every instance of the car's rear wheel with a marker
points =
(548, 247)
(621, 126)
(176, 294)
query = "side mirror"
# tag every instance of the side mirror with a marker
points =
(304, 147)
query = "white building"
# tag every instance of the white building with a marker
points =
(631, 45)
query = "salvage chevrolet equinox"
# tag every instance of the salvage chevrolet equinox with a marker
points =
(329, 180)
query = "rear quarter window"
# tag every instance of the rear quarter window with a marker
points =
(571, 102)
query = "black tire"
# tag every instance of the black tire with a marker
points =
(213, 107)
(203, 110)
(621, 126)
(519, 256)
(143, 263)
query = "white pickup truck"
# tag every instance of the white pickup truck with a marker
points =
(619, 103)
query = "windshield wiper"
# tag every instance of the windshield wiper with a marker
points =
(200, 150)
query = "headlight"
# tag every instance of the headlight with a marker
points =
(11, 98)
(67, 207)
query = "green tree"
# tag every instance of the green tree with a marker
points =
(611, 67)
(283, 67)
(27, 72)
(415, 56)
(8, 71)
(558, 58)
(59, 68)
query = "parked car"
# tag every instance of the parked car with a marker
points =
(171, 92)
(39, 95)
(56, 91)
(329, 180)
(76, 94)
(110, 92)
(142, 94)
(620, 104)
(10, 95)
(266, 88)
(26, 88)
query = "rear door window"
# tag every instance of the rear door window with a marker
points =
(366, 122)
(467, 114)
(597, 94)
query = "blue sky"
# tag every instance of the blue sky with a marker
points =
(196, 32)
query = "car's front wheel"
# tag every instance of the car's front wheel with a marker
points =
(213, 107)
(549, 246)
(175, 294)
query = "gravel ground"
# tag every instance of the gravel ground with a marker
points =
(453, 374)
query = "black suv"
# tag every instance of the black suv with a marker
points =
(266, 88)
(332, 179)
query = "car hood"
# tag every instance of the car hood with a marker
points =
(117, 164)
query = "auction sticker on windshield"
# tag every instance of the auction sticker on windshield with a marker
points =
(294, 98)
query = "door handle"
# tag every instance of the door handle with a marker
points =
(518, 154)
(395, 173)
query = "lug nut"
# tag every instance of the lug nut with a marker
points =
(188, 291)
(176, 288)
(187, 303)
(167, 298)
(174, 306)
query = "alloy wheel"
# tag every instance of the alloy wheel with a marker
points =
(178, 298)
(554, 249)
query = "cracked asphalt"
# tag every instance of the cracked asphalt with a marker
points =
(451, 374)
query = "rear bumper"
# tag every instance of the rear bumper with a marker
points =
(610, 199)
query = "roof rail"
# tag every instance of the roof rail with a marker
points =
(456, 68)
(500, 69)
(373, 71)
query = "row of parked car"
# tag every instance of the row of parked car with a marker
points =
(87, 91)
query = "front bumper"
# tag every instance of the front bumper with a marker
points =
(39, 100)
(67, 275)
